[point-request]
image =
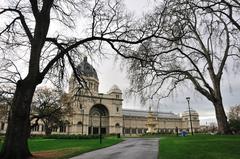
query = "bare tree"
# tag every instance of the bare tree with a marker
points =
(234, 118)
(47, 107)
(193, 46)
(234, 112)
(3, 109)
(6, 95)
(228, 8)
(29, 35)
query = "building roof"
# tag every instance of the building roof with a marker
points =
(143, 113)
(86, 69)
(114, 89)
(186, 112)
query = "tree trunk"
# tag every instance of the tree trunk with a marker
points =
(48, 130)
(15, 145)
(223, 126)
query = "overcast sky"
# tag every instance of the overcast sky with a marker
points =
(110, 72)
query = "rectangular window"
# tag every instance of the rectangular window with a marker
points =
(139, 131)
(43, 127)
(145, 130)
(62, 128)
(54, 129)
(2, 126)
(103, 130)
(89, 130)
(134, 131)
(95, 130)
(35, 128)
(127, 131)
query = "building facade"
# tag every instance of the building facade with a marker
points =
(93, 112)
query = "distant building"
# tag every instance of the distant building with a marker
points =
(92, 110)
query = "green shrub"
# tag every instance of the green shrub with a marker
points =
(61, 136)
(235, 125)
(1, 138)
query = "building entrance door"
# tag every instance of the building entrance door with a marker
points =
(98, 120)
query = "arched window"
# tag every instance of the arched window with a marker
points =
(99, 110)
(79, 123)
(80, 106)
(117, 125)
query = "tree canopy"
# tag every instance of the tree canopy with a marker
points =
(48, 107)
(234, 118)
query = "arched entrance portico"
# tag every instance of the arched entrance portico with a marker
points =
(98, 116)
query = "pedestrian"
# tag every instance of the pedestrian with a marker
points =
(176, 130)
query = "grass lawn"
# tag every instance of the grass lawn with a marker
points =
(65, 148)
(200, 147)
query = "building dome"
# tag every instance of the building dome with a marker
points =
(115, 89)
(84, 68)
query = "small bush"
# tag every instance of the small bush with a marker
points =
(1, 138)
(61, 136)
(158, 133)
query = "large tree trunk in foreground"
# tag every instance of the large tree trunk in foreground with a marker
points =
(223, 126)
(16, 141)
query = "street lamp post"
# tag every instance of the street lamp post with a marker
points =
(158, 108)
(123, 127)
(190, 116)
(100, 125)
(100, 115)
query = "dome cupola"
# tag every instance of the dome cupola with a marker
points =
(115, 92)
(89, 74)
(85, 69)
(115, 89)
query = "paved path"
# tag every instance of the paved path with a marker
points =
(134, 148)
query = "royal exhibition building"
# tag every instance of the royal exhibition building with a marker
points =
(94, 111)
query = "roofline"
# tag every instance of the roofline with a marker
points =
(138, 110)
